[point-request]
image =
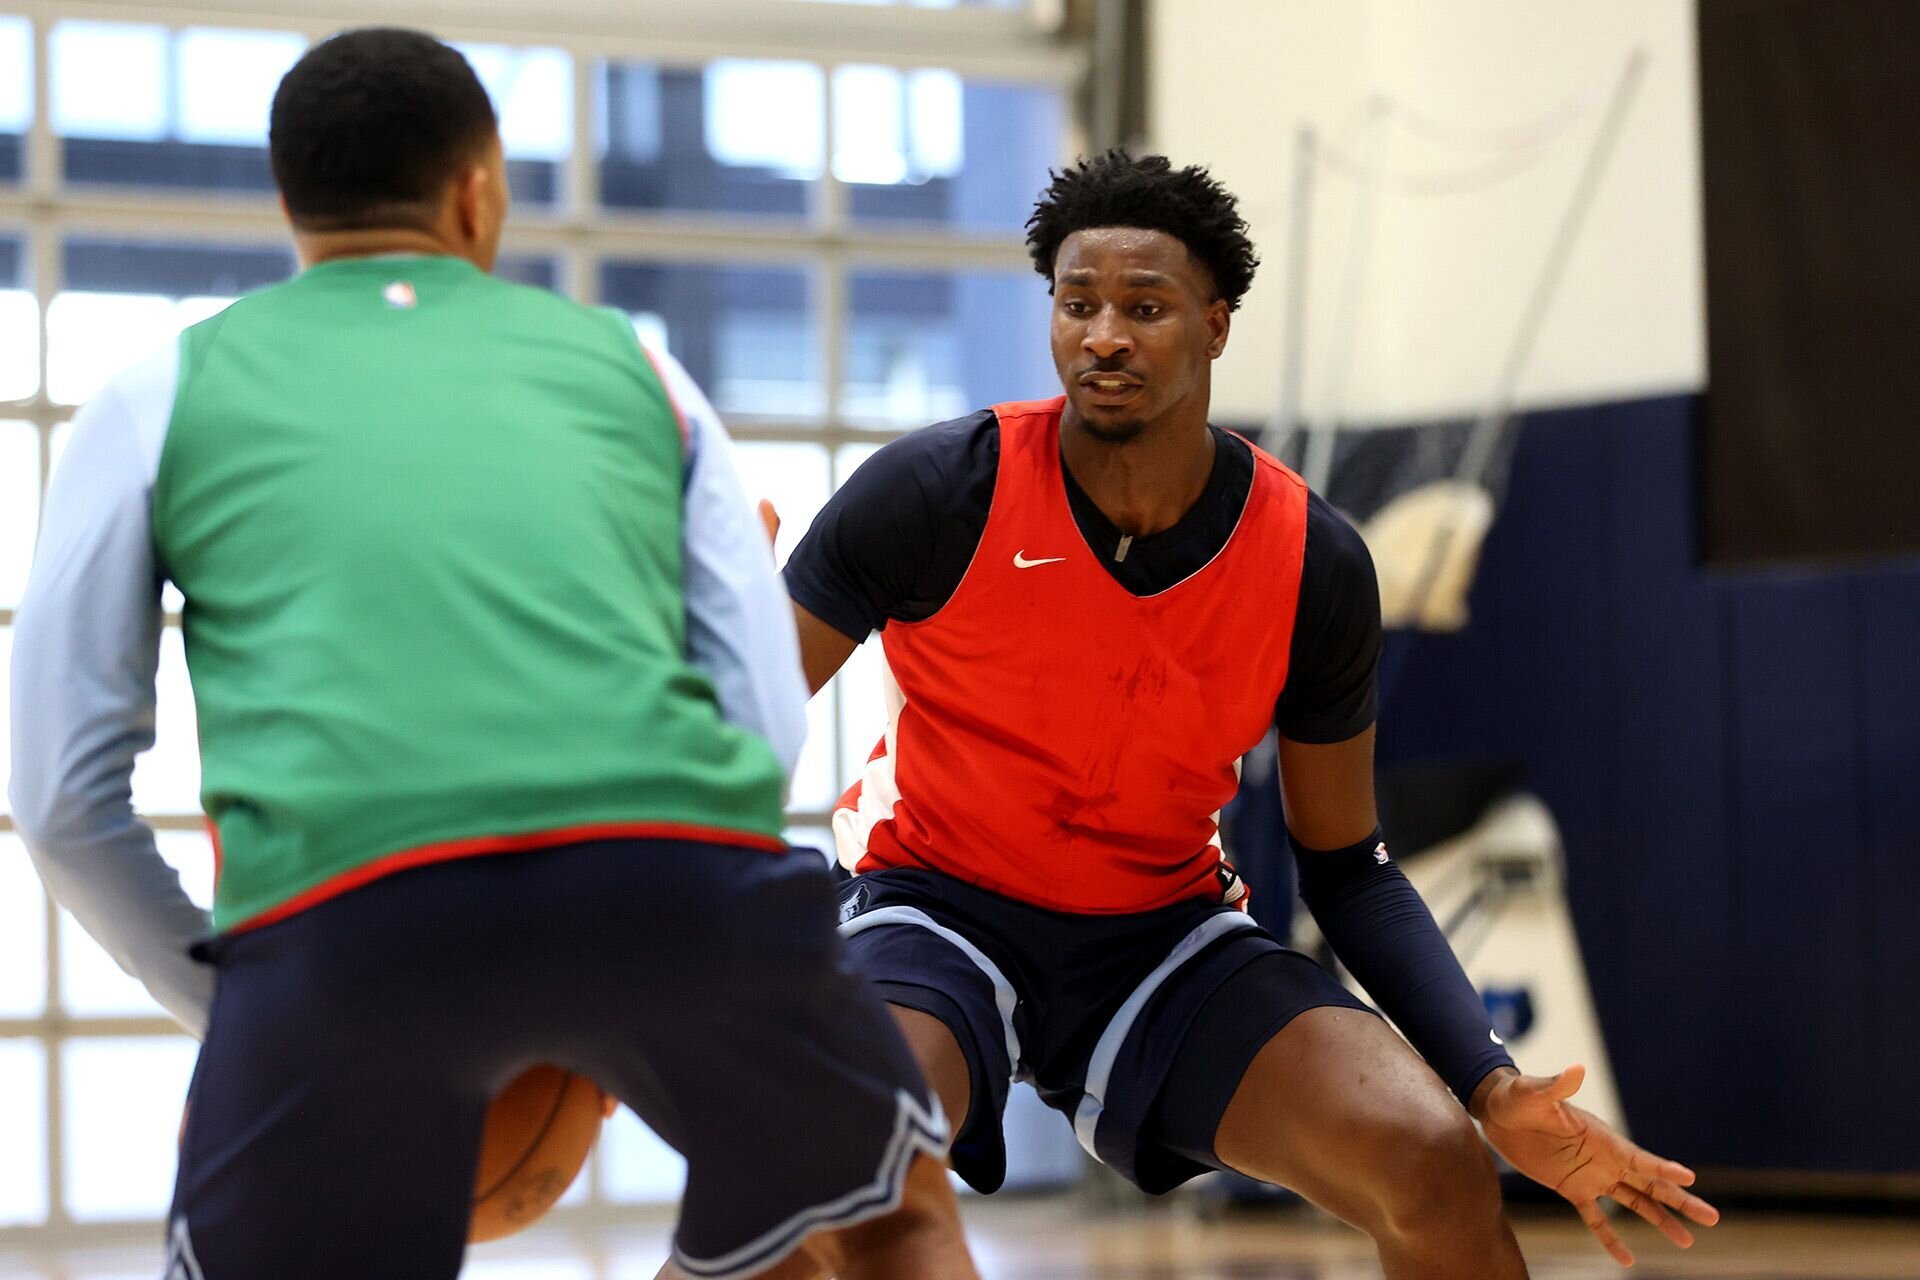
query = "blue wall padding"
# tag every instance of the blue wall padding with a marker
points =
(1734, 761)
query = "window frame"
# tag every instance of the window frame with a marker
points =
(1018, 45)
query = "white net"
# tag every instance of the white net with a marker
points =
(1424, 496)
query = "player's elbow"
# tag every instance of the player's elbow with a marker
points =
(788, 734)
(48, 812)
(31, 803)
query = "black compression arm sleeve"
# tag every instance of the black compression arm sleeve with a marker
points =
(1384, 934)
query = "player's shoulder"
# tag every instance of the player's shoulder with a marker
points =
(1330, 537)
(1336, 564)
(1337, 535)
(1266, 465)
(544, 305)
(940, 457)
(150, 380)
(954, 443)
(527, 305)
(608, 333)
(131, 412)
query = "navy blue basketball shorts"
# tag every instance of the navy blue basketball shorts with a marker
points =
(336, 1111)
(1137, 1028)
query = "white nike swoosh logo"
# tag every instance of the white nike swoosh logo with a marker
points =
(1020, 560)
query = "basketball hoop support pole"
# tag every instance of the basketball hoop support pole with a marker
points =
(1286, 418)
(1486, 432)
(1477, 457)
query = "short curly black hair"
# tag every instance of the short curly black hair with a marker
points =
(1116, 189)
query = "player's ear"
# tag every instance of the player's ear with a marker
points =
(1219, 322)
(470, 200)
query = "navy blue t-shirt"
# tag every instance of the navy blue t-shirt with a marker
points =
(894, 542)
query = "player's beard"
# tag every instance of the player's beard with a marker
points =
(1125, 432)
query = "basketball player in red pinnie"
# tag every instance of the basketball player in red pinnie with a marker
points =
(1091, 607)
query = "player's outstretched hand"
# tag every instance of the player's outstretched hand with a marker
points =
(769, 520)
(1529, 1121)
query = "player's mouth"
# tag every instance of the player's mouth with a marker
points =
(1110, 388)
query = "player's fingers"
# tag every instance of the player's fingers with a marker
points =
(1602, 1230)
(1646, 1166)
(769, 519)
(1558, 1087)
(1648, 1208)
(1568, 1082)
(1684, 1201)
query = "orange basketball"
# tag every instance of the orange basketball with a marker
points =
(538, 1135)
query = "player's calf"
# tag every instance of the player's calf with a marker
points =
(920, 1240)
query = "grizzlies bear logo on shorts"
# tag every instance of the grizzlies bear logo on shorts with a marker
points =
(855, 900)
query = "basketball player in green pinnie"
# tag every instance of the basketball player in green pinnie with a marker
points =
(498, 693)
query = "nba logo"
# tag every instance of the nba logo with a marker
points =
(400, 296)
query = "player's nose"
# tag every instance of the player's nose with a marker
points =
(1107, 335)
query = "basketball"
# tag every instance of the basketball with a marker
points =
(539, 1131)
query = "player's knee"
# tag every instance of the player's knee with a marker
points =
(1441, 1180)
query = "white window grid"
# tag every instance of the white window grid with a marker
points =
(41, 211)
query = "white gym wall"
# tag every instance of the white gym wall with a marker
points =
(1231, 81)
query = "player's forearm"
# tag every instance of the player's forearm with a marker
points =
(1385, 935)
(744, 646)
(73, 757)
(124, 895)
(85, 650)
(739, 625)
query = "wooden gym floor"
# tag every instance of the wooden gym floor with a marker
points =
(1056, 1240)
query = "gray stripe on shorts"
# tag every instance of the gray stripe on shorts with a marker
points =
(917, 1131)
(181, 1264)
(1004, 997)
(1086, 1117)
